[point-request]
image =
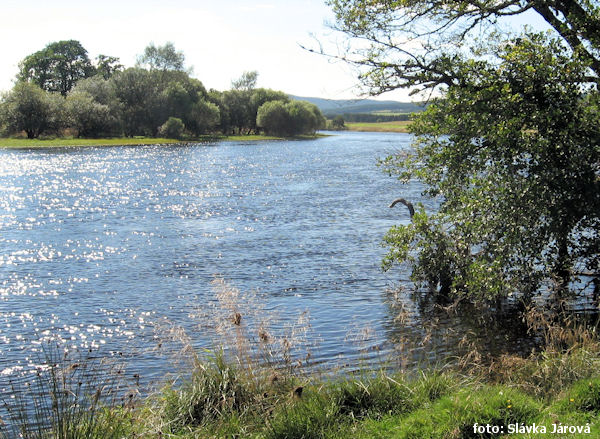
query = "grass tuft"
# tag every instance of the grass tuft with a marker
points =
(585, 395)
(312, 417)
(455, 416)
(68, 398)
(375, 397)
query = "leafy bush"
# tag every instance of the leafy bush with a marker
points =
(173, 128)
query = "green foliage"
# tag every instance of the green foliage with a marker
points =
(374, 397)
(585, 396)
(258, 97)
(106, 66)
(246, 82)
(338, 123)
(28, 108)
(217, 98)
(101, 90)
(289, 119)
(261, 95)
(414, 43)
(221, 399)
(432, 385)
(509, 149)
(184, 98)
(203, 117)
(89, 117)
(161, 58)
(57, 67)
(212, 392)
(311, 418)
(137, 92)
(173, 128)
(239, 111)
(431, 252)
(274, 118)
(334, 409)
(378, 117)
(238, 108)
(512, 155)
(106, 100)
(305, 118)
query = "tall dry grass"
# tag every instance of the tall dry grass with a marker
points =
(69, 395)
(254, 364)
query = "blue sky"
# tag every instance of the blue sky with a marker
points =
(220, 39)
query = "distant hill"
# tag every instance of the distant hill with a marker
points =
(331, 107)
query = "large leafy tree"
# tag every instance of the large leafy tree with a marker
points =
(510, 148)
(239, 111)
(186, 98)
(142, 104)
(88, 116)
(57, 67)
(274, 118)
(282, 118)
(30, 109)
(257, 98)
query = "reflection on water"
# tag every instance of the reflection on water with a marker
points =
(100, 245)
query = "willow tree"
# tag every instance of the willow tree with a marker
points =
(30, 109)
(509, 147)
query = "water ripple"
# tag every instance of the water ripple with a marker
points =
(101, 245)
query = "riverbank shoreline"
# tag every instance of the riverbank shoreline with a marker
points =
(554, 392)
(20, 143)
(380, 127)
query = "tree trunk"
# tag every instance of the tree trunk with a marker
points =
(562, 269)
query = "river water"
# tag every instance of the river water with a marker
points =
(107, 248)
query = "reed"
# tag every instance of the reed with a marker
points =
(69, 395)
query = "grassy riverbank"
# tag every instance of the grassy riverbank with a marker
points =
(220, 402)
(555, 391)
(392, 127)
(126, 141)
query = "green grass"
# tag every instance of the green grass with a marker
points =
(392, 127)
(126, 141)
(221, 399)
(46, 143)
(261, 391)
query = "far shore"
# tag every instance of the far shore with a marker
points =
(19, 142)
(400, 126)
(131, 141)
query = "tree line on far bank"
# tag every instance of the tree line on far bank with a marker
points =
(59, 91)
